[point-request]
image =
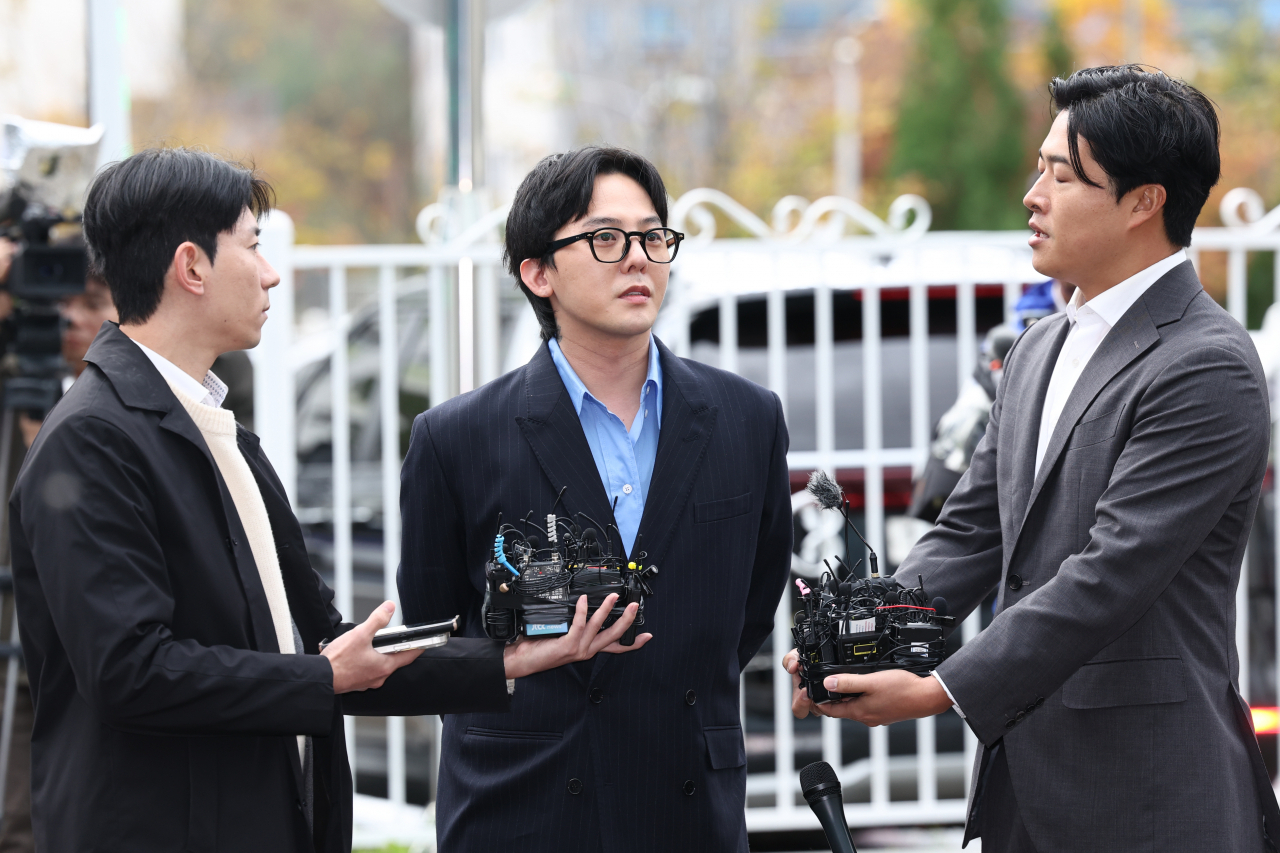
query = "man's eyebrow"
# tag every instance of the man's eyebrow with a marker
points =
(611, 221)
(1054, 158)
(257, 232)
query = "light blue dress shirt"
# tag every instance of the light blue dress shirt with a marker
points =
(623, 457)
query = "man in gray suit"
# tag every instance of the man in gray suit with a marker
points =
(1109, 503)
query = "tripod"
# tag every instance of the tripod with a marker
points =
(11, 650)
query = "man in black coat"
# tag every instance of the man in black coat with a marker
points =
(170, 617)
(643, 752)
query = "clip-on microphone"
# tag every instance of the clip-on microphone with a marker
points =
(821, 789)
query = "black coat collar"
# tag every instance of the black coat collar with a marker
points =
(130, 372)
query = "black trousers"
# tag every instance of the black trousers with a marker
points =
(999, 818)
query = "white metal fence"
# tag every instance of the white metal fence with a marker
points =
(474, 329)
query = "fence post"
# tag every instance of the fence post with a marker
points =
(274, 396)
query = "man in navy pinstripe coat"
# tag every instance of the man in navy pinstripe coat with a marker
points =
(638, 752)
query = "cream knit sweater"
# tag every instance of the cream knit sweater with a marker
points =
(218, 426)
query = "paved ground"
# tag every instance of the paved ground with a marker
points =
(908, 840)
(379, 824)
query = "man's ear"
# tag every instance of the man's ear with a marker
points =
(189, 269)
(534, 275)
(1148, 201)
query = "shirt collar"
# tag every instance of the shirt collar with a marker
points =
(578, 391)
(211, 392)
(1113, 302)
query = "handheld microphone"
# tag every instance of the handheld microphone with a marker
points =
(821, 789)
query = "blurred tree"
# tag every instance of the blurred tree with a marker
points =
(1059, 59)
(318, 95)
(1245, 84)
(960, 123)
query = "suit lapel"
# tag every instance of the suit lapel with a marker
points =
(687, 424)
(1028, 416)
(1135, 333)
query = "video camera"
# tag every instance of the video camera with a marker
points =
(532, 589)
(44, 172)
(863, 625)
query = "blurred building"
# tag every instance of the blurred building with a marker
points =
(43, 55)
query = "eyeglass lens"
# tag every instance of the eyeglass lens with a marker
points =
(610, 244)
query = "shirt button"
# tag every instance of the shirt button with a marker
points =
(1075, 362)
(626, 490)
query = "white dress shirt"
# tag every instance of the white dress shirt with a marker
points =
(212, 391)
(1090, 323)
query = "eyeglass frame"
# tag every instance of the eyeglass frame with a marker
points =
(557, 245)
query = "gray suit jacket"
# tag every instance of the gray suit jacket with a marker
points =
(1110, 668)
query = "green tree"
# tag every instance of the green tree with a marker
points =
(317, 95)
(960, 121)
(1059, 59)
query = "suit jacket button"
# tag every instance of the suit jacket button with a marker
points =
(575, 786)
(1020, 716)
(1008, 724)
(596, 695)
(689, 788)
(1031, 707)
(1015, 582)
(690, 697)
(1039, 701)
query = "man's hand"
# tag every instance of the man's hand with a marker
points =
(887, 697)
(356, 666)
(583, 642)
(801, 707)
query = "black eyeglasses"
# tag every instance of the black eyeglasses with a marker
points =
(610, 245)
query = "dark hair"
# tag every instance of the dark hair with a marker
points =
(140, 210)
(559, 190)
(1144, 127)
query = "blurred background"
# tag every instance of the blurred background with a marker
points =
(346, 104)
(395, 131)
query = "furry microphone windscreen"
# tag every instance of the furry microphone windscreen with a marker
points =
(826, 491)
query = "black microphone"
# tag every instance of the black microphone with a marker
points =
(940, 606)
(821, 789)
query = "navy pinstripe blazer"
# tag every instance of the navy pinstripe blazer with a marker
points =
(634, 752)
